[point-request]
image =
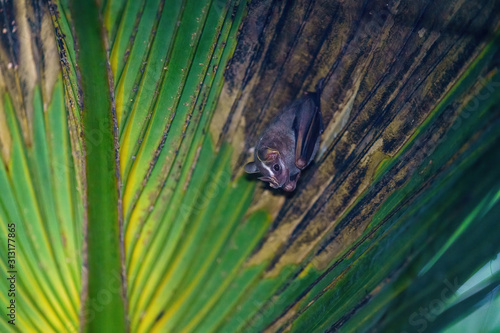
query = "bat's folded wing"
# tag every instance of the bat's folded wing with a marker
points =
(308, 126)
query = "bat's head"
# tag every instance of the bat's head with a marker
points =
(270, 164)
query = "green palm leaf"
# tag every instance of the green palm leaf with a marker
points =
(124, 126)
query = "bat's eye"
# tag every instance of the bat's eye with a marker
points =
(276, 167)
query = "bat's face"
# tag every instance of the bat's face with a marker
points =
(272, 167)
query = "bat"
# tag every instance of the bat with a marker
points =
(290, 141)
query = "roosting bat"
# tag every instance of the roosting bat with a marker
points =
(288, 145)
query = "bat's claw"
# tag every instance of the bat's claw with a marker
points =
(301, 163)
(292, 183)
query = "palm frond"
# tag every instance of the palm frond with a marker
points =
(122, 167)
(40, 207)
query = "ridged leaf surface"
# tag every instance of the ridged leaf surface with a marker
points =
(383, 233)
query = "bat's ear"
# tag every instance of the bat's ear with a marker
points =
(251, 168)
(267, 154)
